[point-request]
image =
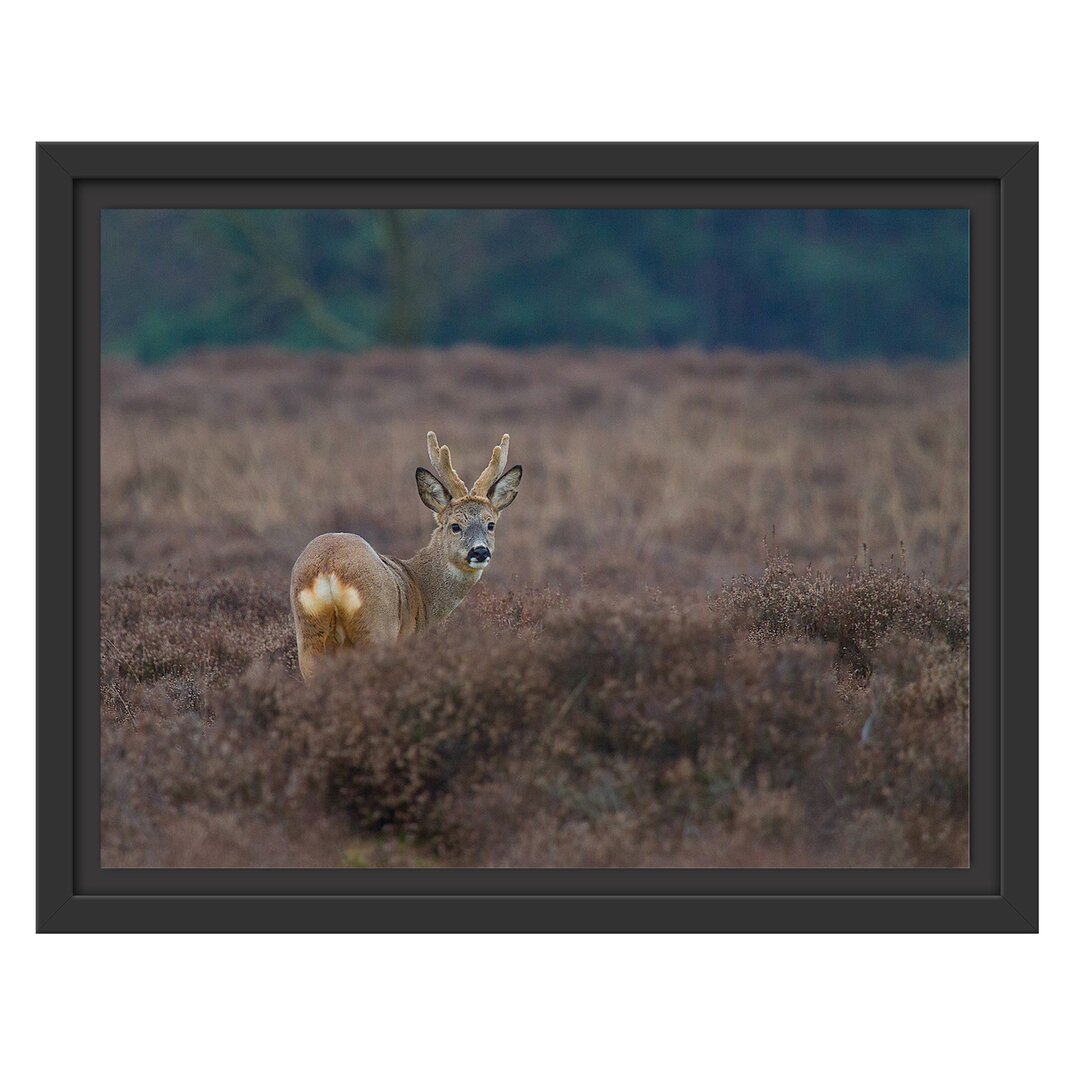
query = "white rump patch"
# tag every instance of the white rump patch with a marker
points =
(327, 591)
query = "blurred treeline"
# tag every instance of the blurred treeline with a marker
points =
(833, 283)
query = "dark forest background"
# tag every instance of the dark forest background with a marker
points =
(832, 283)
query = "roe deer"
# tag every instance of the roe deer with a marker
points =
(346, 595)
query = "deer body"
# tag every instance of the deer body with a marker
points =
(346, 595)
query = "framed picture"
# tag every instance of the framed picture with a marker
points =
(537, 537)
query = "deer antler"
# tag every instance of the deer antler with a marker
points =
(444, 469)
(499, 457)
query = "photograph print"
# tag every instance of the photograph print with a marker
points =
(516, 538)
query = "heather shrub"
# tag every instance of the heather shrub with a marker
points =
(603, 730)
(855, 611)
(185, 636)
(518, 609)
(152, 626)
(915, 758)
(383, 735)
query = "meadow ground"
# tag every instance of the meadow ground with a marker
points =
(726, 623)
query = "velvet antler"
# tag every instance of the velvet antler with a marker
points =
(499, 457)
(444, 469)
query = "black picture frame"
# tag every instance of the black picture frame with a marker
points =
(998, 182)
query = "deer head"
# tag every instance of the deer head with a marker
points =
(465, 518)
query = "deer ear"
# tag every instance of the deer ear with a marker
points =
(504, 491)
(432, 492)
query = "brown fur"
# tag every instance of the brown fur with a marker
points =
(344, 594)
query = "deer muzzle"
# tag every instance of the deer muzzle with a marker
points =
(478, 556)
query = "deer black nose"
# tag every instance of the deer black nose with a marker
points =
(478, 554)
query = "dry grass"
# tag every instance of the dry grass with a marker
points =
(635, 689)
(641, 468)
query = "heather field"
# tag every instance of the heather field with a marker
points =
(726, 623)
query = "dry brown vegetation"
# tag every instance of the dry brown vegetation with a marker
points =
(637, 681)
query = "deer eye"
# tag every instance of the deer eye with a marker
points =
(455, 527)
(491, 526)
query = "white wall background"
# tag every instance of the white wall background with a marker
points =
(425, 1006)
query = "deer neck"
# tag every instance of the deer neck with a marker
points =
(440, 587)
